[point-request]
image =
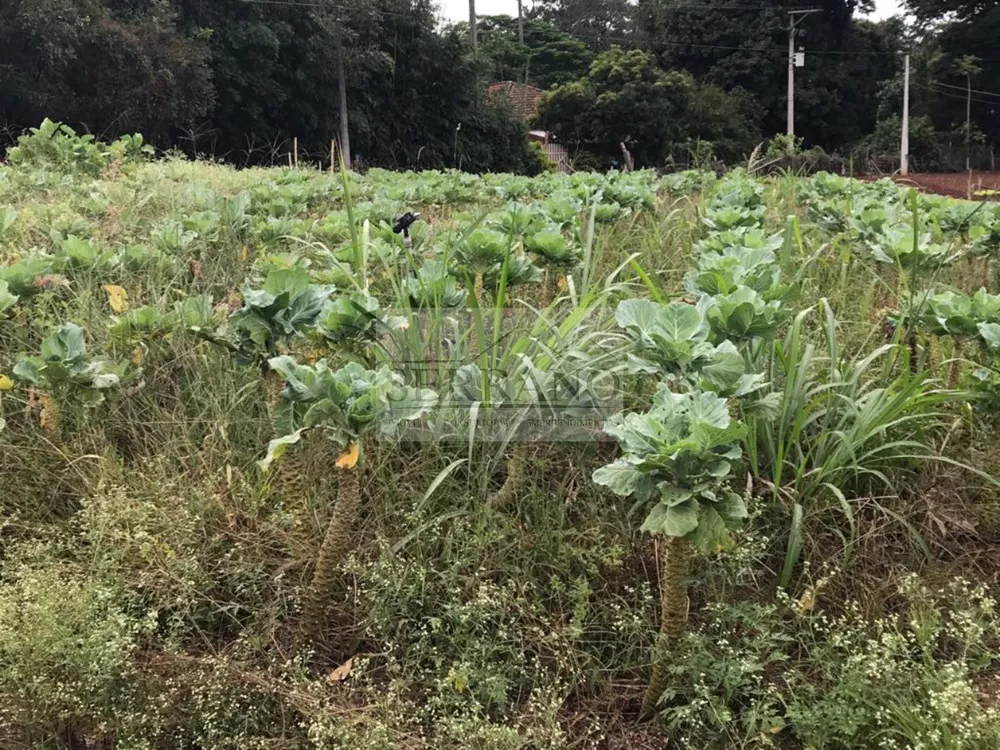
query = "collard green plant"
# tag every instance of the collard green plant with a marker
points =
(743, 315)
(672, 340)
(64, 372)
(434, 287)
(519, 271)
(955, 314)
(553, 248)
(285, 307)
(897, 246)
(355, 320)
(22, 277)
(193, 314)
(735, 267)
(63, 363)
(519, 219)
(480, 252)
(677, 459)
(751, 238)
(608, 213)
(345, 405)
(730, 217)
(76, 253)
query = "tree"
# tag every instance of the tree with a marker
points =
(547, 57)
(737, 47)
(107, 68)
(627, 98)
(599, 23)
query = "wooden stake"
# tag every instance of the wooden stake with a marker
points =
(333, 155)
(295, 147)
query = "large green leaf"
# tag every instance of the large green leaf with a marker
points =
(622, 478)
(7, 300)
(65, 345)
(990, 334)
(710, 533)
(673, 520)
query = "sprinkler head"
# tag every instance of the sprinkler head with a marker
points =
(404, 222)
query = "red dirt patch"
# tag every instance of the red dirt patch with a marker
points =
(955, 184)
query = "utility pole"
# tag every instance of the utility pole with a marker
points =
(473, 36)
(520, 37)
(904, 150)
(794, 19)
(345, 133)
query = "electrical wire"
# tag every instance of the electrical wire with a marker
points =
(954, 96)
(963, 88)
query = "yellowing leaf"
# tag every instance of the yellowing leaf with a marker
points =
(138, 355)
(117, 298)
(244, 253)
(6, 384)
(341, 673)
(807, 602)
(349, 458)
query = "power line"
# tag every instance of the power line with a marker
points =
(954, 96)
(963, 88)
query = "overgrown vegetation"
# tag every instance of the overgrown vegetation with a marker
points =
(608, 461)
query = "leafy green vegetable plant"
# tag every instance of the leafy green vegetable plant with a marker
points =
(676, 463)
(64, 371)
(347, 406)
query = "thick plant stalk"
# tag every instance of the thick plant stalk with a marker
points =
(955, 368)
(292, 479)
(674, 562)
(516, 465)
(550, 287)
(273, 385)
(479, 290)
(337, 545)
(50, 417)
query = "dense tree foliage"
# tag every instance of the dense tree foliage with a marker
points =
(746, 48)
(108, 66)
(599, 23)
(626, 98)
(238, 79)
(548, 57)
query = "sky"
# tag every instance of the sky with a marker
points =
(458, 10)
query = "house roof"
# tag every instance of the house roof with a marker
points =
(523, 98)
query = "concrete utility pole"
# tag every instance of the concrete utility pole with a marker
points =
(904, 150)
(794, 19)
(473, 36)
(520, 21)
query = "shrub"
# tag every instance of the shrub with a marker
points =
(53, 145)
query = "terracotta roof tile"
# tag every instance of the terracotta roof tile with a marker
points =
(523, 98)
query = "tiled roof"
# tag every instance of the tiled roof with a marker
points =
(523, 98)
